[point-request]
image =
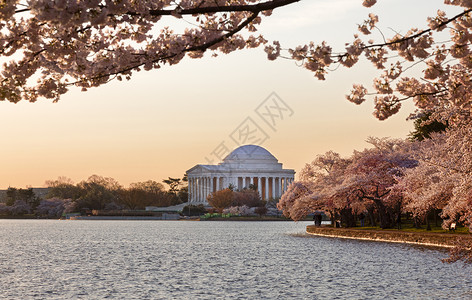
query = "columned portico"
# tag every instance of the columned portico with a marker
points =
(247, 165)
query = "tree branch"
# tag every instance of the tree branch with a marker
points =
(407, 38)
(445, 167)
(255, 8)
(202, 48)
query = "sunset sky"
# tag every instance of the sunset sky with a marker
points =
(165, 121)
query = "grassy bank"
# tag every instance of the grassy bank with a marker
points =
(407, 235)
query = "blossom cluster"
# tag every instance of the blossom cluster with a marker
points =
(239, 210)
(446, 64)
(55, 44)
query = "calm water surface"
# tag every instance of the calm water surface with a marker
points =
(49, 259)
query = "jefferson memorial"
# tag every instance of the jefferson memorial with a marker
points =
(246, 165)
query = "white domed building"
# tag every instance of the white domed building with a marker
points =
(246, 165)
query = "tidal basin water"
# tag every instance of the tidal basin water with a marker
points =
(49, 259)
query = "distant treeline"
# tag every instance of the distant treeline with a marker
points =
(95, 193)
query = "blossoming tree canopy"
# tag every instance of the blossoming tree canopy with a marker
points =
(54, 44)
(346, 186)
(444, 87)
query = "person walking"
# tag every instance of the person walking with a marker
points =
(362, 218)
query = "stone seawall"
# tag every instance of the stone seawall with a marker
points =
(137, 218)
(418, 238)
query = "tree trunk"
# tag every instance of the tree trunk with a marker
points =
(384, 219)
(347, 218)
(428, 225)
(332, 217)
(417, 223)
(370, 212)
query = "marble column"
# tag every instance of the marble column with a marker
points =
(201, 187)
(259, 186)
(211, 184)
(273, 188)
(195, 189)
(277, 181)
(266, 188)
(190, 189)
(276, 187)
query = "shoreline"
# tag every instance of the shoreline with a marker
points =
(248, 218)
(164, 217)
(443, 240)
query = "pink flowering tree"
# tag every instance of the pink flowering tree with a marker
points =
(454, 162)
(20, 207)
(346, 187)
(5, 209)
(372, 174)
(426, 188)
(316, 189)
(443, 177)
(299, 200)
(444, 88)
(55, 44)
(54, 207)
(443, 180)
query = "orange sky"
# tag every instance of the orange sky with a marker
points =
(163, 122)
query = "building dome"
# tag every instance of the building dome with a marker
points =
(250, 153)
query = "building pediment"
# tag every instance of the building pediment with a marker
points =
(205, 169)
(198, 169)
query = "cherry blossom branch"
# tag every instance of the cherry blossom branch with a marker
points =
(446, 167)
(85, 45)
(201, 48)
(421, 94)
(22, 10)
(413, 47)
(199, 9)
(255, 8)
(407, 38)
